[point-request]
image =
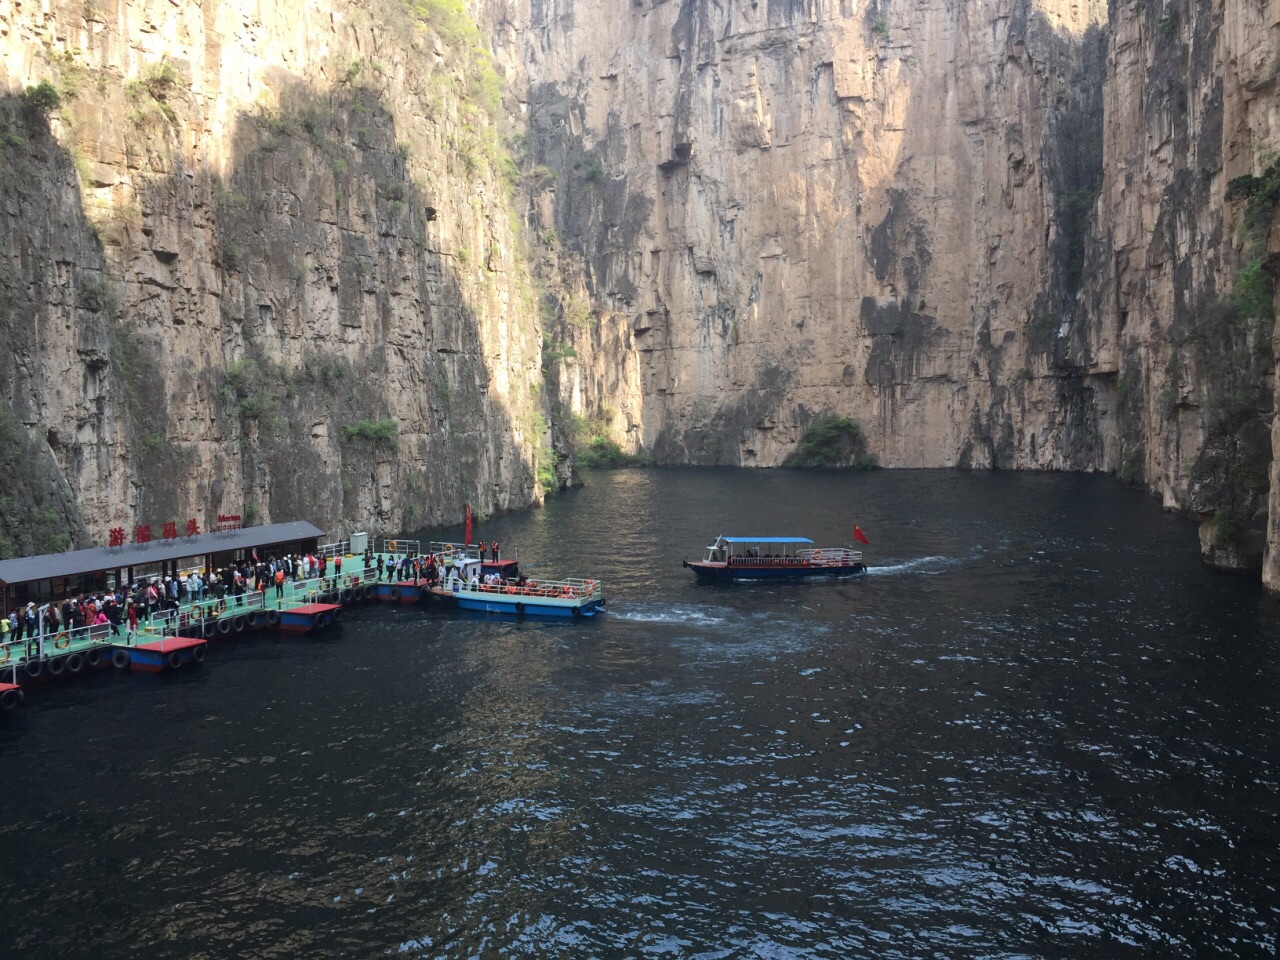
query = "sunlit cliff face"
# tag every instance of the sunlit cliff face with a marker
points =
(811, 208)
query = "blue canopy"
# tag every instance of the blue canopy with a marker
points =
(766, 540)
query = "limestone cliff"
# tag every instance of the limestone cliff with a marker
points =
(792, 209)
(259, 260)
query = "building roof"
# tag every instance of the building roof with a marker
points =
(766, 540)
(51, 565)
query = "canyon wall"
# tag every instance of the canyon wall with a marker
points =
(792, 209)
(257, 259)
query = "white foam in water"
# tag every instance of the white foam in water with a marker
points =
(644, 613)
(922, 565)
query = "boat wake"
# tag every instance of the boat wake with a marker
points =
(924, 566)
(654, 613)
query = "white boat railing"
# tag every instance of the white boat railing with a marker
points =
(830, 556)
(410, 548)
(571, 588)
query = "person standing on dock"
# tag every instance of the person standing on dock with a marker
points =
(133, 619)
(279, 584)
(16, 625)
(497, 552)
(337, 564)
(378, 566)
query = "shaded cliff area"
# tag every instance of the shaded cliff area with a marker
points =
(271, 271)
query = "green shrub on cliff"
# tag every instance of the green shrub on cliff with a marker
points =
(43, 98)
(380, 434)
(833, 441)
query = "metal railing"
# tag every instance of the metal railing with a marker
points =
(571, 588)
(335, 548)
(400, 547)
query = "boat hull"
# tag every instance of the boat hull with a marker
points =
(523, 605)
(720, 571)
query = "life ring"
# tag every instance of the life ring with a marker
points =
(391, 546)
(531, 585)
(174, 660)
(62, 641)
(590, 587)
(569, 592)
(119, 658)
(220, 608)
(448, 549)
(273, 618)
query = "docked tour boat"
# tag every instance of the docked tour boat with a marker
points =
(761, 558)
(570, 598)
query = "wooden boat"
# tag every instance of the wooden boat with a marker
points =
(767, 558)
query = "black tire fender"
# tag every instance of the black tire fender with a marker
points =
(75, 664)
(197, 654)
(57, 666)
(10, 699)
(173, 660)
(224, 627)
(119, 658)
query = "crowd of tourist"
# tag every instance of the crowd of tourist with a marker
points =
(121, 610)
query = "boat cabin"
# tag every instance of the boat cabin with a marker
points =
(753, 551)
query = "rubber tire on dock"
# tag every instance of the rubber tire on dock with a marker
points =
(34, 669)
(336, 615)
(324, 620)
(57, 666)
(239, 623)
(577, 612)
(10, 699)
(366, 592)
(273, 618)
(346, 595)
(519, 609)
(120, 659)
(208, 629)
(75, 664)
(93, 657)
(224, 626)
(256, 618)
(394, 593)
(174, 660)
(197, 654)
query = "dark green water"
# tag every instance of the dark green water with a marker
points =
(1040, 728)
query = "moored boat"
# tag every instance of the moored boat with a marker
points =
(573, 597)
(766, 558)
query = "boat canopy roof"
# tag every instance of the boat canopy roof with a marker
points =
(766, 540)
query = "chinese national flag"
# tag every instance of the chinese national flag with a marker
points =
(859, 535)
(468, 524)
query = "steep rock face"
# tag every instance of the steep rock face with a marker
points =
(249, 237)
(1171, 314)
(799, 208)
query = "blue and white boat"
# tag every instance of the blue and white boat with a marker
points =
(571, 598)
(767, 558)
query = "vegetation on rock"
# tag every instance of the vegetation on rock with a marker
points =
(833, 441)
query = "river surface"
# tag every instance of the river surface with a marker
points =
(1039, 727)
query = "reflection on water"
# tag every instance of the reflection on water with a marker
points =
(1037, 727)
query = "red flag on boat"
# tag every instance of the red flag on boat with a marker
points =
(468, 524)
(859, 535)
